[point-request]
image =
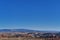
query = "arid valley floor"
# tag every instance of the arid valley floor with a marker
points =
(13, 35)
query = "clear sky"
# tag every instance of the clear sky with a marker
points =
(30, 14)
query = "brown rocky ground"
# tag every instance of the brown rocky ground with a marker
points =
(29, 38)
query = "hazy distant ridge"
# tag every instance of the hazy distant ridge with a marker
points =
(21, 30)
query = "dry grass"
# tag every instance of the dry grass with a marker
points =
(26, 39)
(20, 39)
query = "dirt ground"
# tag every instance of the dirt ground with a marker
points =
(20, 39)
(26, 39)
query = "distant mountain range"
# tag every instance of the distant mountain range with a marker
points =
(17, 30)
(22, 30)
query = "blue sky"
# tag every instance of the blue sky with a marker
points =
(30, 14)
